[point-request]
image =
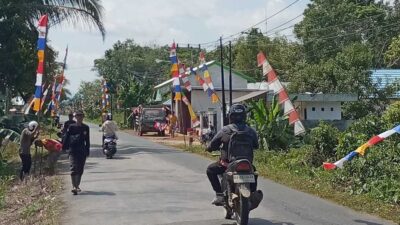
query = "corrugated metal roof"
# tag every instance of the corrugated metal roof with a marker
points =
(385, 77)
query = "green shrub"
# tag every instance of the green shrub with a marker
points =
(359, 133)
(378, 173)
(324, 140)
(392, 115)
(273, 130)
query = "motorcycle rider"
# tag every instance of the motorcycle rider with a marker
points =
(237, 119)
(109, 128)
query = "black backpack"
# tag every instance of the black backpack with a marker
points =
(240, 144)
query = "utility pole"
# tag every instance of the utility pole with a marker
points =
(224, 122)
(230, 73)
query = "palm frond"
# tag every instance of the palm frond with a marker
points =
(85, 12)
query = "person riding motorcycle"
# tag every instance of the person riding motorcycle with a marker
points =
(237, 120)
(109, 128)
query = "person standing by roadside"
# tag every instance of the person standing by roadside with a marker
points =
(28, 135)
(77, 140)
(172, 120)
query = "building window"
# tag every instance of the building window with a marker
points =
(322, 109)
(332, 109)
(313, 109)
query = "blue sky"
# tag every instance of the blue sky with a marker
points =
(160, 22)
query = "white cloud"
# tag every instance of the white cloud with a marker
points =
(161, 21)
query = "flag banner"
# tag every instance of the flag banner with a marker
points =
(193, 116)
(202, 58)
(283, 96)
(29, 105)
(44, 95)
(209, 87)
(178, 96)
(362, 149)
(276, 86)
(287, 107)
(41, 46)
(184, 77)
(105, 97)
(214, 98)
(185, 100)
(298, 128)
(175, 72)
(293, 117)
(210, 92)
(271, 76)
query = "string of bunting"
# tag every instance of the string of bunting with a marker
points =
(276, 86)
(362, 149)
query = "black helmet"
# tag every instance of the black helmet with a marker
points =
(237, 113)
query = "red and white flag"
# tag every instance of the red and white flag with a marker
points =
(276, 86)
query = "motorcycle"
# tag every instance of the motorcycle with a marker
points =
(110, 146)
(237, 193)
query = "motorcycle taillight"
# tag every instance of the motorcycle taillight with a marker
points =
(243, 167)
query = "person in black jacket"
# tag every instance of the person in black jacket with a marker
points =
(237, 119)
(68, 122)
(78, 142)
(65, 128)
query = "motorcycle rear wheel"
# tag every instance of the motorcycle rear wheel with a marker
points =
(241, 209)
(228, 213)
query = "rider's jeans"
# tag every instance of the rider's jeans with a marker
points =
(215, 169)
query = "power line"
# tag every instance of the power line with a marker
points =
(258, 23)
(298, 16)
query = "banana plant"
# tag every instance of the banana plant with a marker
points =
(271, 125)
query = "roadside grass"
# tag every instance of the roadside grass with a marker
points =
(290, 169)
(34, 201)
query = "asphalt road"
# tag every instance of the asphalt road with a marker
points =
(150, 184)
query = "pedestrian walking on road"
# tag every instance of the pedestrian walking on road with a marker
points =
(78, 142)
(28, 135)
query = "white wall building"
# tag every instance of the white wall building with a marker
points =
(201, 102)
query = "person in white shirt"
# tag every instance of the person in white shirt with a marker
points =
(109, 128)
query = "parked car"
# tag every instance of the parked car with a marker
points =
(148, 120)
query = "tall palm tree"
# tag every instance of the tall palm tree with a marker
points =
(84, 12)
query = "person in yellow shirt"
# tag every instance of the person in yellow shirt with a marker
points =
(172, 121)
